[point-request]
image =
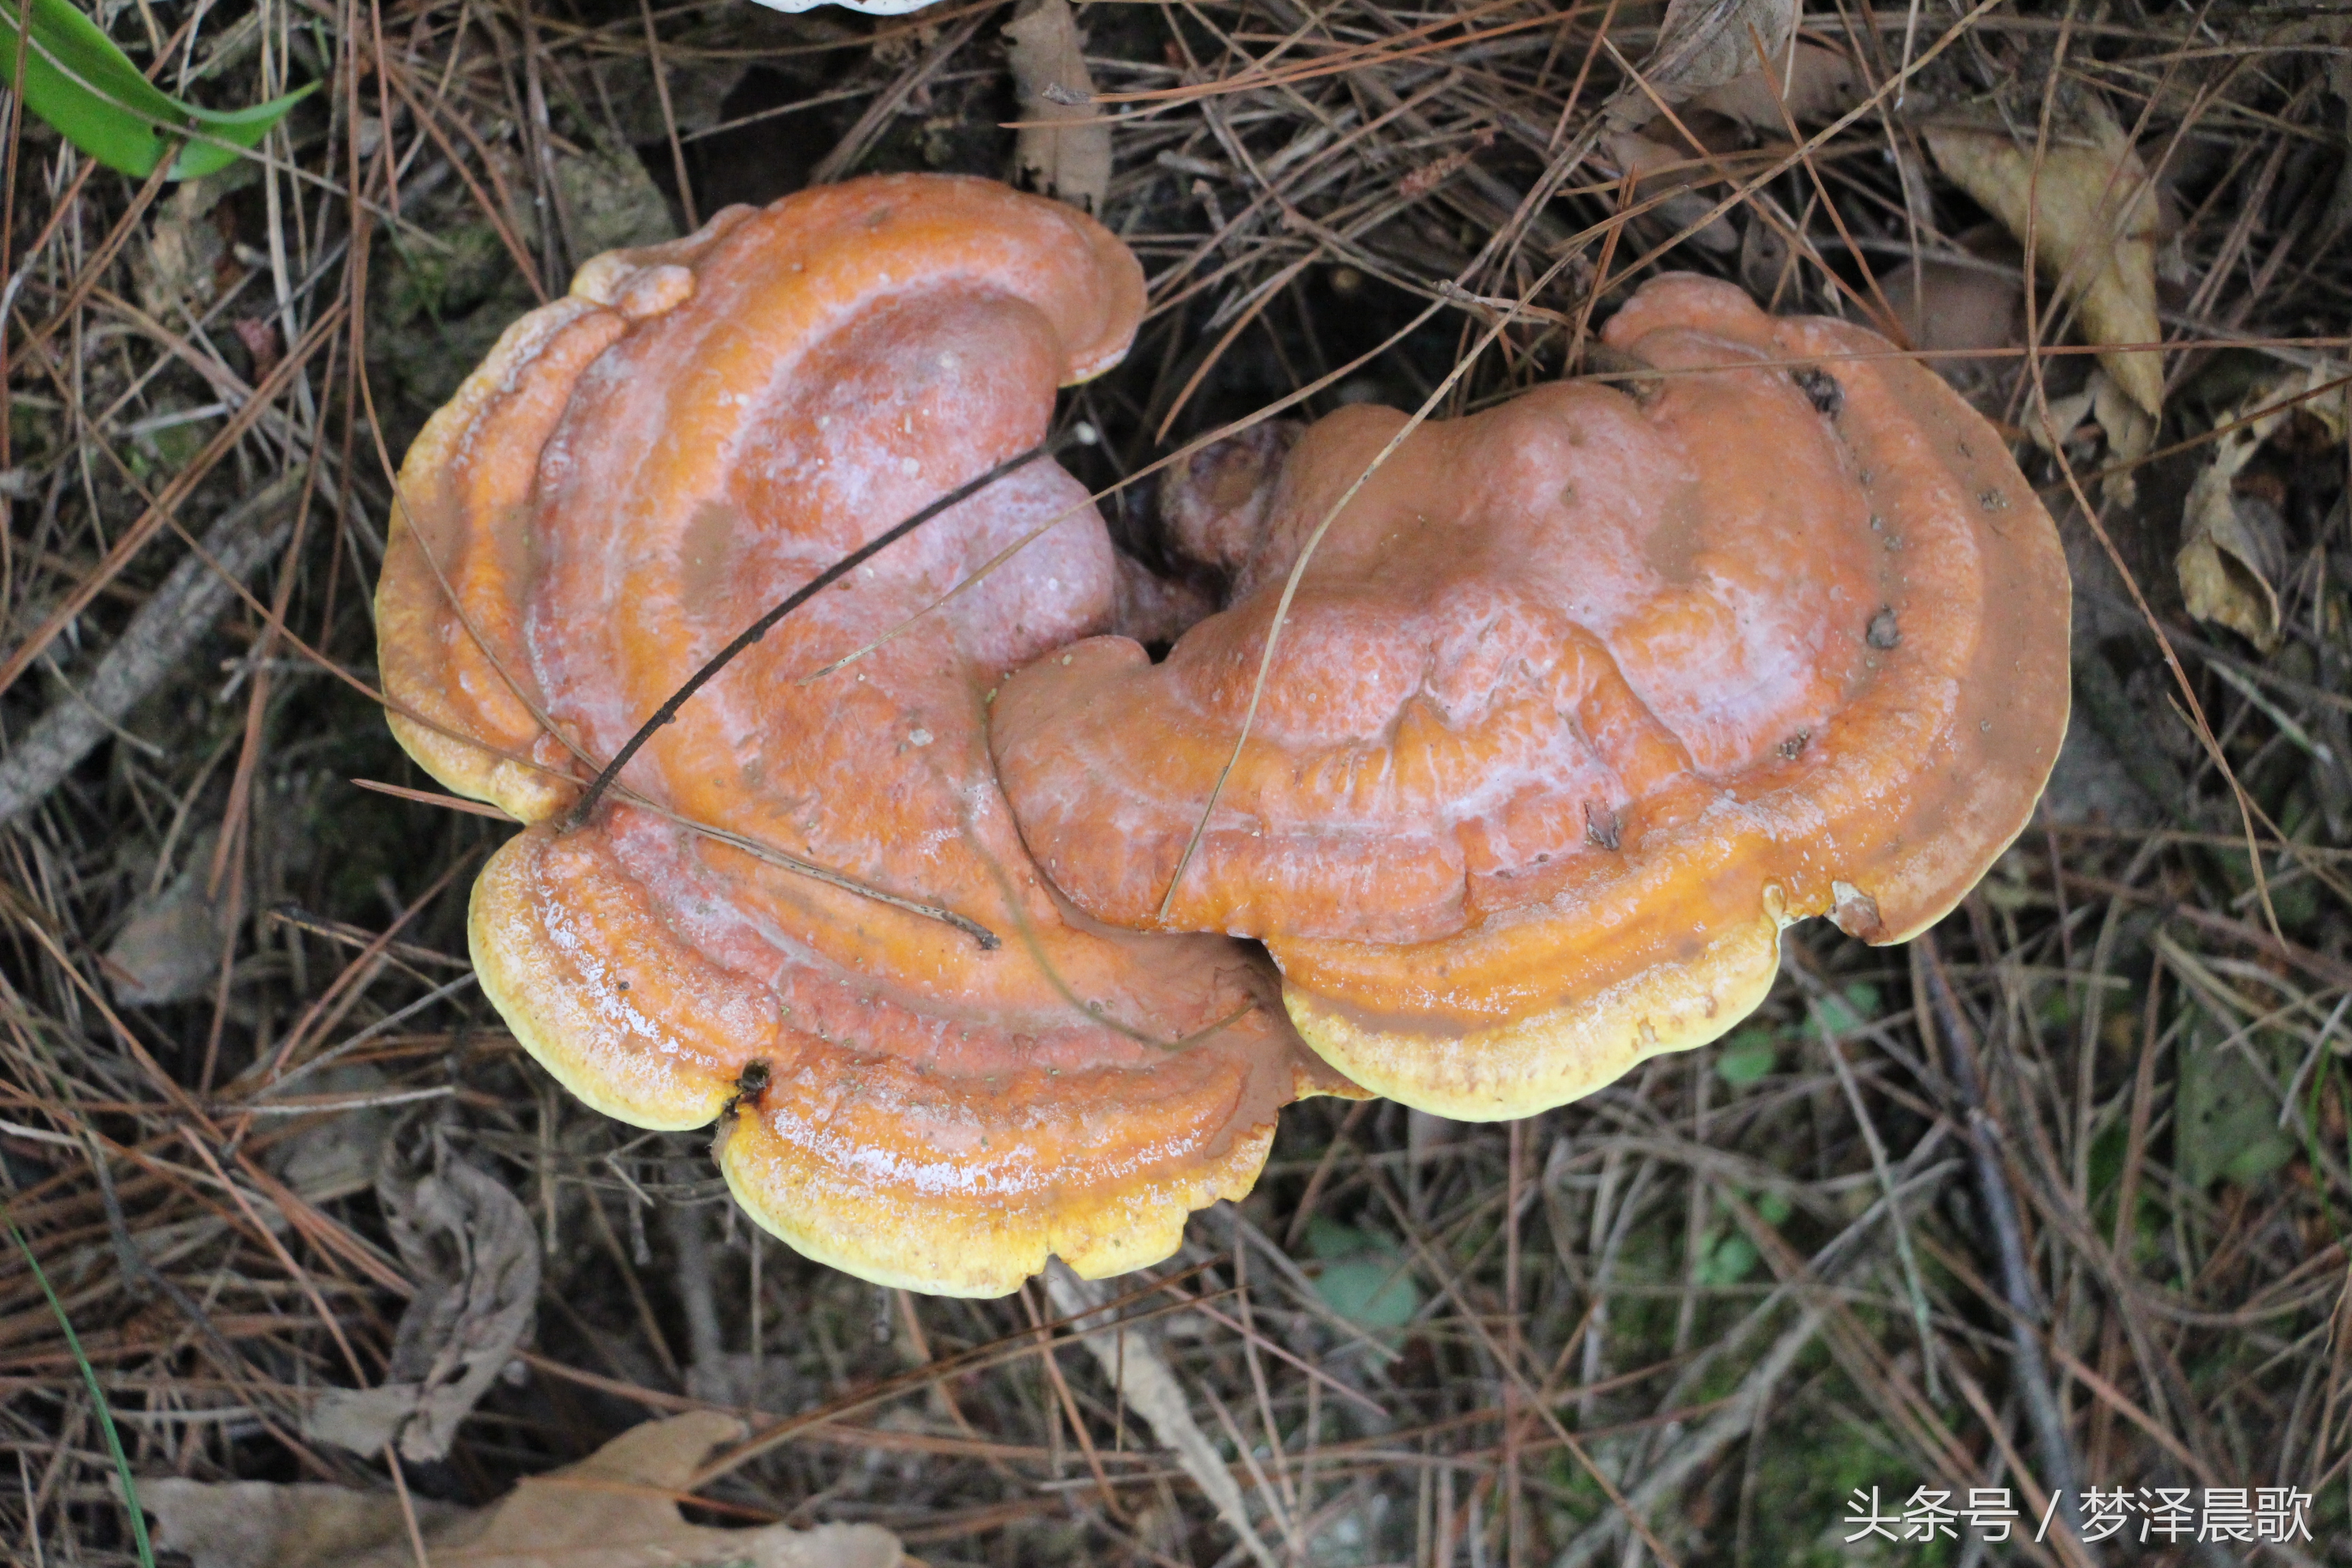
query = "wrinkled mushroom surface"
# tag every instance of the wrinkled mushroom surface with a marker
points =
(636, 474)
(1580, 701)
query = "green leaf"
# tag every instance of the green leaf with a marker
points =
(75, 79)
(1328, 1239)
(1727, 1263)
(1371, 1292)
(1857, 1006)
(1746, 1056)
(1364, 1277)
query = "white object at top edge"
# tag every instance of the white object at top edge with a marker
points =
(871, 7)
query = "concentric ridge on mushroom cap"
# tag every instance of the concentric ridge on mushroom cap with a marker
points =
(637, 473)
(1579, 700)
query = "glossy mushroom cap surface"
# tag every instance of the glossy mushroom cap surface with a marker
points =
(637, 473)
(1579, 701)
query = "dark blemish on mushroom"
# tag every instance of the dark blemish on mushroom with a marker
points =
(1993, 500)
(1601, 826)
(1821, 389)
(624, 985)
(1882, 633)
(1794, 746)
(749, 1085)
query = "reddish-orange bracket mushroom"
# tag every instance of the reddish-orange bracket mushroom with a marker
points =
(635, 475)
(1582, 700)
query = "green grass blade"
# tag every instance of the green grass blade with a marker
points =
(77, 80)
(98, 1396)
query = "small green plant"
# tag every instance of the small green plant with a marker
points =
(1852, 1008)
(1364, 1277)
(97, 1396)
(77, 80)
(1748, 1054)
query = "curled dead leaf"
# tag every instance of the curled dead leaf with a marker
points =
(1814, 84)
(2231, 553)
(1671, 177)
(2103, 410)
(2233, 537)
(264, 1524)
(616, 1509)
(170, 950)
(1702, 44)
(1064, 150)
(2130, 431)
(471, 1247)
(2090, 209)
(2054, 429)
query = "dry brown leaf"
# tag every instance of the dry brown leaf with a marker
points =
(1069, 157)
(2126, 427)
(1667, 172)
(1815, 84)
(170, 950)
(2230, 551)
(2234, 546)
(333, 1159)
(1702, 44)
(2092, 213)
(175, 269)
(2130, 432)
(261, 1524)
(475, 1254)
(616, 1509)
(2058, 421)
